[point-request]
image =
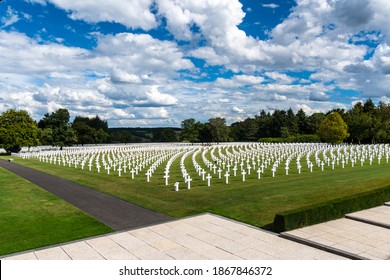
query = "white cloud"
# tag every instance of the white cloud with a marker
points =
(354, 13)
(21, 55)
(277, 97)
(133, 14)
(280, 77)
(224, 100)
(154, 98)
(11, 18)
(238, 81)
(237, 110)
(120, 76)
(141, 55)
(272, 6)
(153, 113)
(318, 96)
(381, 59)
(121, 114)
(41, 2)
(143, 78)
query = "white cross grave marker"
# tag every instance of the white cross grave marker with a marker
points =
(208, 179)
(227, 177)
(188, 181)
(132, 173)
(243, 173)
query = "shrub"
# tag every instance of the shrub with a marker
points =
(331, 210)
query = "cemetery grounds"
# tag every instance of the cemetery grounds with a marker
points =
(248, 182)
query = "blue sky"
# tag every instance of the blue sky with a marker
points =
(158, 62)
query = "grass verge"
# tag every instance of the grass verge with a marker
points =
(32, 217)
(255, 202)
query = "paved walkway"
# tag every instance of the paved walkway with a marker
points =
(112, 211)
(200, 237)
(213, 237)
(364, 234)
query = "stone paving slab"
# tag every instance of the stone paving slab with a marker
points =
(349, 236)
(200, 237)
(379, 216)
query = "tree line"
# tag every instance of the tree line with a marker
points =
(363, 123)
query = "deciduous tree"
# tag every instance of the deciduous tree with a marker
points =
(17, 129)
(333, 129)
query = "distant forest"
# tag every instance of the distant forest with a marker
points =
(364, 123)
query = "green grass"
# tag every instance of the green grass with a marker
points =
(30, 217)
(255, 202)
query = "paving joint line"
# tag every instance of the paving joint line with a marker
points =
(367, 221)
(322, 247)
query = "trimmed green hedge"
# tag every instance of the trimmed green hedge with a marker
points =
(331, 210)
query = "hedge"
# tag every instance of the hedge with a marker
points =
(330, 210)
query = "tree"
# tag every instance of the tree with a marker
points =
(358, 123)
(58, 122)
(121, 136)
(85, 133)
(333, 129)
(264, 124)
(191, 130)
(17, 129)
(90, 130)
(219, 130)
(278, 120)
(369, 106)
(302, 120)
(165, 135)
(314, 122)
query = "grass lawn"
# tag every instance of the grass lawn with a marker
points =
(30, 217)
(255, 202)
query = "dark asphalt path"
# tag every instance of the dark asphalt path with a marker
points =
(112, 211)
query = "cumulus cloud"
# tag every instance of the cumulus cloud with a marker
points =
(153, 113)
(280, 77)
(154, 98)
(237, 110)
(354, 12)
(277, 97)
(381, 58)
(140, 54)
(120, 76)
(363, 67)
(22, 55)
(133, 14)
(144, 78)
(318, 96)
(239, 80)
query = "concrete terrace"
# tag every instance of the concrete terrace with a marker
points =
(211, 237)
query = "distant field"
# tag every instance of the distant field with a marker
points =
(254, 201)
(30, 217)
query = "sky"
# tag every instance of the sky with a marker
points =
(155, 63)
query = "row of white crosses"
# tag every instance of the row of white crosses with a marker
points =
(122, 158)
(230, 159)
(323, 155)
